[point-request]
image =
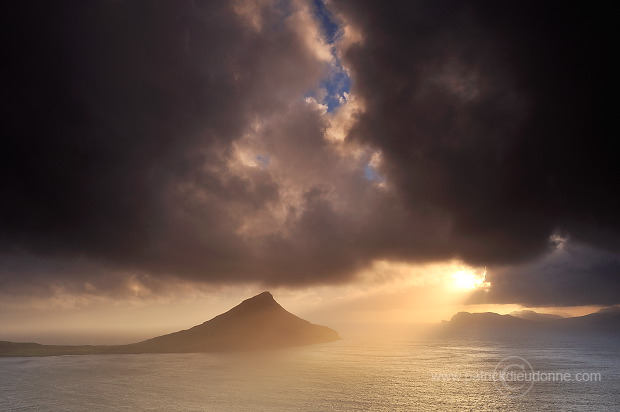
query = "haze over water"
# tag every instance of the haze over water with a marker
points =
(348, 375)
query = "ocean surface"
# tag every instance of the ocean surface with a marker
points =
(349, 375)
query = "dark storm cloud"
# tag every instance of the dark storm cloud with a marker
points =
(172, 139)
(574, 274)
(157, 139)
(484, 112)
(121, 115)
(107, 99)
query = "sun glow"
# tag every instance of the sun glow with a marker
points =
(469, 280)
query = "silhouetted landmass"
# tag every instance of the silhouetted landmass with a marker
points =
(605, 321)
(256, 323)
(531, 315)
(36, 349)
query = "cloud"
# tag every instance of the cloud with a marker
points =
(484, 117)
(154, 141)
(483, 113)
(135, 146)
(573, 274)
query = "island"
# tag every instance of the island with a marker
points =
(257, 323)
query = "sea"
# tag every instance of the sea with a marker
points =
(370, 374)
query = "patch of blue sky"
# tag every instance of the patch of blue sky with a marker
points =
(337, 82)
(263, 161)
(330, 28)
(336, 85)
(371, 174)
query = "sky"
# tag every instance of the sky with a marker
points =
(162, 161)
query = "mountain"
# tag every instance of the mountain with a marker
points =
(256, 323)
(606, 321)
(531, 315)
(488, 322)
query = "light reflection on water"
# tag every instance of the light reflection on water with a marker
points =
(358, 375)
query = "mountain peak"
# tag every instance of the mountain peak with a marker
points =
(264, 296)
(263, 300)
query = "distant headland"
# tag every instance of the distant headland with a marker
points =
(530, 323)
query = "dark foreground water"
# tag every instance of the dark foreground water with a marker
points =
(350, 375)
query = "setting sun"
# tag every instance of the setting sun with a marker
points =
(469, 280)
